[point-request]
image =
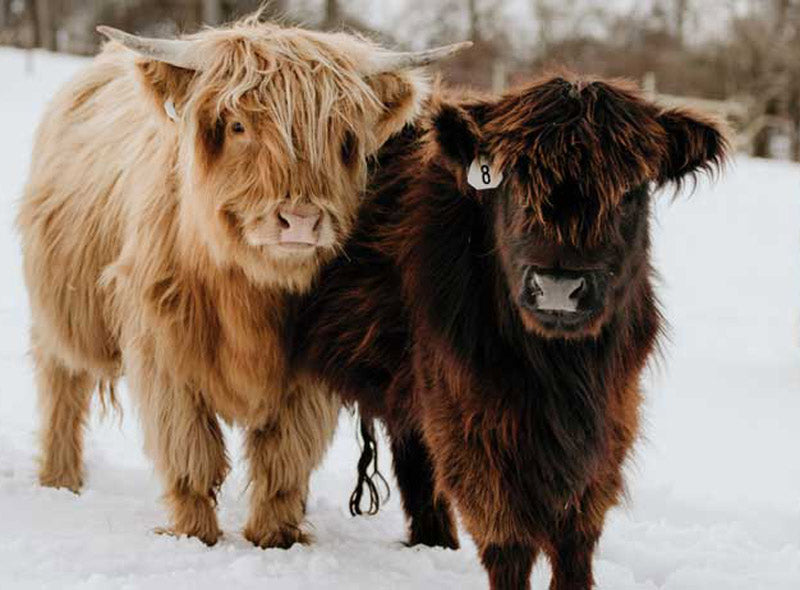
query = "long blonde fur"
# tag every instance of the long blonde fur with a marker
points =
(132, 230)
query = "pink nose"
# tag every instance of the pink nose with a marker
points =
(299, 224)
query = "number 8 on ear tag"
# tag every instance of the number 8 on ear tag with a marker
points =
(482, 175)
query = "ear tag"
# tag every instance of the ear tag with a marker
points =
(482, 175)
(169, 107)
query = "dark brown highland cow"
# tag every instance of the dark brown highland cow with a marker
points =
(500, 334)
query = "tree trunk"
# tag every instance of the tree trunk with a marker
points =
(544, 24)
(795, 147)
(44, 18)
(277, 8)
(763, 140)
(472, 10)
(793, 108)
(680, 19)
(212, 12)
(333, 14)
(781, 10)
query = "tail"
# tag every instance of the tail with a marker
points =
(366, 476)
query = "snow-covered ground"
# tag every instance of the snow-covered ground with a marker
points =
(715, 487)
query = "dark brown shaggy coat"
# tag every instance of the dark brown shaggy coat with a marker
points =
(522, 427)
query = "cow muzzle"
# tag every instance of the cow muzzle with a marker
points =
(563, 299)
(299, 226)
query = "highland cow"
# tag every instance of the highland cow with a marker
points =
(182, 194)
(495, 309)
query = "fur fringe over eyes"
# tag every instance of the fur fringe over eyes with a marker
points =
(602, 137)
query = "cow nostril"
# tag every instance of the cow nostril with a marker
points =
(283, 222)
(579, 290)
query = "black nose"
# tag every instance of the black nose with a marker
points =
(563, 293)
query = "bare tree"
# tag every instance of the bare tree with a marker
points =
(4, 13)
(474, 28)
(333, 16)
(273, 9)
(44, 13)
(545, 16)
(212, 12)
(680, 9)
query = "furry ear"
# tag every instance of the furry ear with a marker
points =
(164, 82)
(694, 144)
(401, 94)
(457, 133)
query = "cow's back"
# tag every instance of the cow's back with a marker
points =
(94, 151)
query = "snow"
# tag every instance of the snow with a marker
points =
(714, 487)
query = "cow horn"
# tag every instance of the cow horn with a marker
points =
(175, 52)
(403, 60)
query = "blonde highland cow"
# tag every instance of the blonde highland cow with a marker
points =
(182, 193)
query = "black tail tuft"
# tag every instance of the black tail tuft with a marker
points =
(366, 476)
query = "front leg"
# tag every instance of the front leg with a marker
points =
(572, 546)
(509, 565)
(184, 438)
(282, 454)
(571, 553)
(574, 541)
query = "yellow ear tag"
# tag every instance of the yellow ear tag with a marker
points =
(482, 175)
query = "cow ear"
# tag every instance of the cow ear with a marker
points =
(457, 133)
(401, 94)
(694, 144)
(164, 82)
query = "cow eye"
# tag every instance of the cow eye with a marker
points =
(237, 127)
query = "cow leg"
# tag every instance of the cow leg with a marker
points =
(430, 516)
(282, 454)
(571, 554)
(64, 398)
(509, 565)
(183, 436)
(192, 450)
(572, 546)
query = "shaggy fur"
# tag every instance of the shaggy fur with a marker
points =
(136, 259)
(522, 425)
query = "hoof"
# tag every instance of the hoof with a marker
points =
(210, 538)
(282, 538)
(72, 483)
(434, 539)
(434, 529)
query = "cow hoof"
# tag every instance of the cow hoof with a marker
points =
(73, 483)
(210, 537)
(444, 539)
(283, 538)
(434, 529)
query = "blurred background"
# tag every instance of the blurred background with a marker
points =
(737, 58)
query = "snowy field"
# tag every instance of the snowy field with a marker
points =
(715, 485)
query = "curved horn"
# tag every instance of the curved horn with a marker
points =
(393, 61)
(175, 52)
